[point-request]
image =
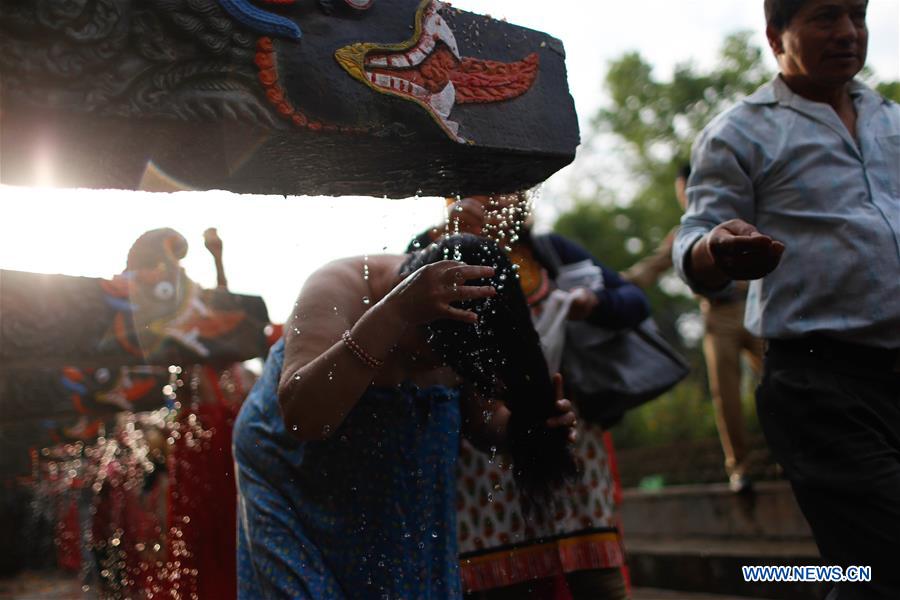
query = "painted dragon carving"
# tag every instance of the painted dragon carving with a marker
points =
(303, 71)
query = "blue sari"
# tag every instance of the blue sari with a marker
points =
(367, 513)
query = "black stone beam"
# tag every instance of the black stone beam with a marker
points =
(55, 321)
(332, 97)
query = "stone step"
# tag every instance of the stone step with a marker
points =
(713, 565)
(713, 511)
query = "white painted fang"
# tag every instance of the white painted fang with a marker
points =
(398, 60)
(437, 28)
(415, 56)
(426, 44)
(442, 102)
(452, 126)
(434, 29)
(418, 91)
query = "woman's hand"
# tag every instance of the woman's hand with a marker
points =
(584, 301)
(426, 295)
(566, 417)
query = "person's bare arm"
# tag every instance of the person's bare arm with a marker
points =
(733, 250)
(647, 271)
(322, 379)
(213, 243)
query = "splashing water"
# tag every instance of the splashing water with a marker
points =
(108, 499)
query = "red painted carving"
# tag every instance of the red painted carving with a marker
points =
(266, 60)
(475, 80)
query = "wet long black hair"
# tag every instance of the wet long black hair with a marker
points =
(501, 355)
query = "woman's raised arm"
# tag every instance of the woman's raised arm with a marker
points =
(324, 375)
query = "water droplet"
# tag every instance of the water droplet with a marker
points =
(366, 300)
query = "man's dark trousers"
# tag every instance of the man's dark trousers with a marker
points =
(830, 412)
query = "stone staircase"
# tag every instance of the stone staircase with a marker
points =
(695, 538)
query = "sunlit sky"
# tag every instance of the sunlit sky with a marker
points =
(273, 243)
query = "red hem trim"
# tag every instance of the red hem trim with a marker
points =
(500, 569)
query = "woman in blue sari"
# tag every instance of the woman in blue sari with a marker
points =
(346, 447)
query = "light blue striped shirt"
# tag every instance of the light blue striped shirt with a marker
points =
(790, 167)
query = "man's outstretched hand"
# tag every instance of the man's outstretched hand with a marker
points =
(734, 250)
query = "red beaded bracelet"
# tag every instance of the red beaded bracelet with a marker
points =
(358, 352)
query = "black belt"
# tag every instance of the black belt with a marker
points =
(823, 349)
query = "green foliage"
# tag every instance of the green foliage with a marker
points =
(890, 90)
(683, 414)
(658, 120)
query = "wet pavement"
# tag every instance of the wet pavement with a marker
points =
(40, 586)
(59, 586)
